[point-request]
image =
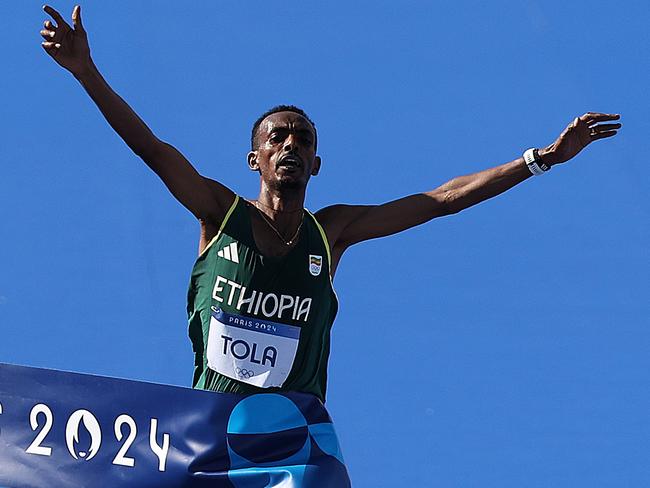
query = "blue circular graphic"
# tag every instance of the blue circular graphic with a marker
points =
(264, 414)
(270, 443)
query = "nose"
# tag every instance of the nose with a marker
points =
(289, 143)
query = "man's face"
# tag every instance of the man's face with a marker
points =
(286, 154)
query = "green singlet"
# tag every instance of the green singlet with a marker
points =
(257, 323)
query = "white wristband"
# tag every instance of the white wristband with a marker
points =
(531, 162)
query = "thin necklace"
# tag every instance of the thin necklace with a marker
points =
(268, 221)
(274, 210)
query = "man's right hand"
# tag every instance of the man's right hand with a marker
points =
(68, 46)
(208, 200)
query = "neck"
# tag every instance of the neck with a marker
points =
(276, 201)
(283, 213)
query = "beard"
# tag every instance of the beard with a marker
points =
(288, 183)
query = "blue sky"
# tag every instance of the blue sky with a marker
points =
(504, 346)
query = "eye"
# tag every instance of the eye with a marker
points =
(275, 138)
(306, 139)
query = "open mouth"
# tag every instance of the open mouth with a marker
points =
(290, 162)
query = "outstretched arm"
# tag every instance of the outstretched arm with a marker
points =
(349, 224)
(208, 200)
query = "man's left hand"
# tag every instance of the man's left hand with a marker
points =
(579, 134)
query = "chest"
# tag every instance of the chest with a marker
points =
(268, 242)
(291, 289)
(249, 250)
(264, 238)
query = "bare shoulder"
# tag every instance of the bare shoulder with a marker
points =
(340, 214)
(332, 221)
(327, 215)
(336, 218)
(223, 198)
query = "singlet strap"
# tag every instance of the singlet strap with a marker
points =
(223, 224)
(325, 241)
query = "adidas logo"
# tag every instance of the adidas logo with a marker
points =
(229, 252)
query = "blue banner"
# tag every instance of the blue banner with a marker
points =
(60, 429)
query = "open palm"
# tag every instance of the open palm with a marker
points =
(68, 46)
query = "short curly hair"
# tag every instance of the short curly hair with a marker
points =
(276, 109)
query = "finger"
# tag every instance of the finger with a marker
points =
(603, 135)
(49, 25)
(591, 117)
(48, 35)
(56, 16)
(76, 19)
(603, 127)
(51, 48)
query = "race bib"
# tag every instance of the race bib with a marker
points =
(254, 351)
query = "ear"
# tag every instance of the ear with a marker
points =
(252, 161)
(316, 168)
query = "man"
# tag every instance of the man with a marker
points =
(261, 303)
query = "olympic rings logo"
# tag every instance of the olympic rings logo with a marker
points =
(244, 373)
